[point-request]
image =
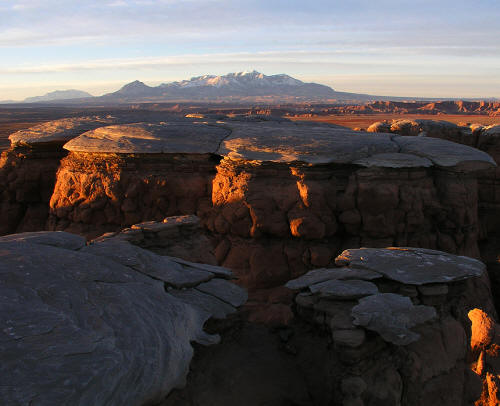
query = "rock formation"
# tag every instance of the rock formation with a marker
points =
(278, 197)
(102, 324)
(178, 236)
(485, 138)
(406, 338)
(485, 346)
(28, 171)
(120, 175)
(287, 198)
(381, 327)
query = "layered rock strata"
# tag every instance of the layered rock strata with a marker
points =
(399, 322)
(278, 197)
(102, 324)
(121, 175)
(28, 171)
(288, 198)
(485, 138)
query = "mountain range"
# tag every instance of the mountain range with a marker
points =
(58, 95)
(233, 87)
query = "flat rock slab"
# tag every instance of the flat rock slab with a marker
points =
(225, 291)
(82, 329)
(344, 290)
(391, 316)
(58, 131)
(445, 153)
(289, 142)
(326, 274)
(413, 266)
(280, 141)
(145, 138)
(144, 261)
(59, 239)
(394, 160)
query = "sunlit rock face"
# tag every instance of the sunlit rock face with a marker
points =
(102, 324)
(289, 199)
(485, 346)
(120, 175)
(28, 170)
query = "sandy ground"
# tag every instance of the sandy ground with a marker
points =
(365, 120)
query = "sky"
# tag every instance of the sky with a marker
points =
(437, 48)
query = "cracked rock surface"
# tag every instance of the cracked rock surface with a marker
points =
(95, 325)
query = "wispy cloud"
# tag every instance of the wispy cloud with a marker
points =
(70, 41)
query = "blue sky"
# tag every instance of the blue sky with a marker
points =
(434, 48)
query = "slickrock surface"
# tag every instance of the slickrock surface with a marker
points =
(145, 138)
(408, 339)
(58, 131)
(315, 144)
(104, 324)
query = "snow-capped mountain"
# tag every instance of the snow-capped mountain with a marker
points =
(238, 79)
(233, 86)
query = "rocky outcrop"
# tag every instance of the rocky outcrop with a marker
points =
(404, 339)
(178, 236)
(101, 324)
(485, 345)
(120, 175)
(485, 138)
(278, 197)
(28, 171)
(288, 198)
(378, 328)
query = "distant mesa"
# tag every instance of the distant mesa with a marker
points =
(58, 95)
